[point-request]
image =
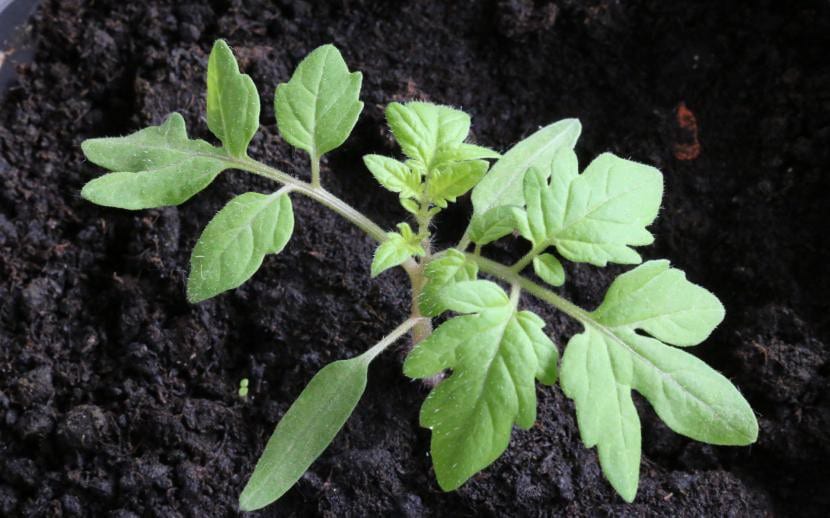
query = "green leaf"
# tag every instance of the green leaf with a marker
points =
(306, 430)
(399, 247)
(610, 358)
(494, 354)
(462, 152)
(234, 243)
(503, 184)
(449, 182)
(394, 175)
(424, 130)
(154, 167)
(494, 224)
(549, 269)
(450, 268)
(318, 108)
(232, 101)
(595, 216)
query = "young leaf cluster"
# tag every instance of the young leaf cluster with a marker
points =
(490, 352)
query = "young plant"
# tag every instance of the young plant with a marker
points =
(493, 350)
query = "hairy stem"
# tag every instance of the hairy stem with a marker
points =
(389, 339)
(315, 171)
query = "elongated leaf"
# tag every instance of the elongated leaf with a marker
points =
(394, 175)
(494, 224)
(549, 269)
(451, 268)
(306, 430)
(236, 240)
(232, 101)
(494, 354)
(449, 182)
(318, 108)
(154, 167)
(503, 184)
(427, 132)
(610, 358)
(597, 216)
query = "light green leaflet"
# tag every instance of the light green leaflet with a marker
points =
(394, 175)
(549, 269)
(494, 353)
(503, 184)
(593, 217)
(234, 243)
(495, 224)
(398, 247)
(317, 109)
(232, 101)
(154, 167)
(603, 364)
(454, 179)
(310, 424)
(429, 133)
(452, 267)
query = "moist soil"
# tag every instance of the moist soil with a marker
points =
(117, 398)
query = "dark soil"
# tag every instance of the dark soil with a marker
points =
(117, 398)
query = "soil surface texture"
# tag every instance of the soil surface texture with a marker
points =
(118, 398)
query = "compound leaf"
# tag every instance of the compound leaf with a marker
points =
(427, 132)
(394, 175)
(317, 109)
(232, 101)
(234, 243)
(503, 184)
(610, 358)
(595, 216)
(450, 268)
(495, 354)
(154, 167)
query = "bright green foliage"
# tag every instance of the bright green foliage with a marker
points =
(549, 269)
(610, 358)
(236, 240)
(394, 175)
(454, 179)
(318, 108)
(243, 388)
(306, 429)
(593, 217)
(232, 101)
(428, 133)
(398, 247)
(451, 268)
(154, 167)
(495, 352)
(495, 224)
(503, 184)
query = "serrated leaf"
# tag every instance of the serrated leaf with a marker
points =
(495, 355)
(232, 101)
(503, 184)
(318, 108)
(234, 243)
(597, 216)
(394, 175)
(424, 129)
(449, 182)
(398, 247)
(155, 167)
(450, 268)
(462, 152)
(610, 358)
(305, 431)
(549, 269)
(494, 224)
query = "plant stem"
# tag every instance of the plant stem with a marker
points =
(315, 170)
(389, 339)
(525, 260)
